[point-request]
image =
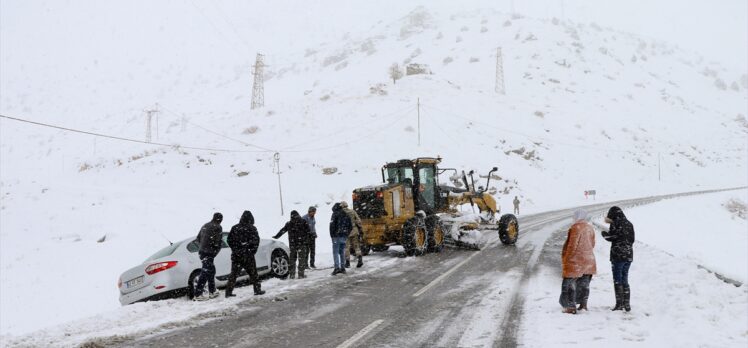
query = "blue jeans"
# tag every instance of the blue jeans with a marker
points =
(621, 272)
(338, 251)
(207, 274)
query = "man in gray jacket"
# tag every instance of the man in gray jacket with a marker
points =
(312, 242)
(209, 239)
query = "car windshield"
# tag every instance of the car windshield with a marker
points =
(164, 252)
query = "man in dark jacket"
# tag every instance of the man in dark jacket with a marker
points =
(209, 239)
(298, 237)
(340, 228)
(244, 241)
(621, 235)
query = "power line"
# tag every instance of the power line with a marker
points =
(122, 138)
(531, 137)
(396, 112)
(265, 149)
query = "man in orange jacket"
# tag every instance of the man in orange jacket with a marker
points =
(578, 264)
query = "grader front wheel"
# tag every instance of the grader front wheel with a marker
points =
(436, 234)
(508, 229)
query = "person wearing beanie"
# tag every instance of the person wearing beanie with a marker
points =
(312, 241)
(209, 240)
(340, 228)
(578, 264)
(298, 236)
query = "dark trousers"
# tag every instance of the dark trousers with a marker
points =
(621, 272)
(248, 264)
(575, 290)
(297, 252)
(207, 274)
(312, 246)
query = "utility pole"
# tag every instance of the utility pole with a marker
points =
(276, 162)
(258, 90)
(418, 107)
(149, 119)
(499, 73)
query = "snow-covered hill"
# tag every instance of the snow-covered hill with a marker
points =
(586, 107)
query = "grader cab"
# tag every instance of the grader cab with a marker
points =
(411, 208)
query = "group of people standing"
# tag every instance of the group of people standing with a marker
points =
(244, 240)
(578, 260)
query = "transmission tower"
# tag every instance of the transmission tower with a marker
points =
(258, 90)
(499, 72)
(149, 119)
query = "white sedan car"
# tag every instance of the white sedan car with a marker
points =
(173, 271)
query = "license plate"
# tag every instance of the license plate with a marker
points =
(135, 282)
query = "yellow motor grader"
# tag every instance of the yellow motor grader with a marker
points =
(411, 208)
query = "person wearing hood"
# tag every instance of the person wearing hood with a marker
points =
(355, 237)
(340, 228)
(244, 241)
(578, 264)
(209, 240)
(298, 237)
(621, 237)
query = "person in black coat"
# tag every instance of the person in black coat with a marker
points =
(298, 236)
(340, 228)
(209, 240)
(621, 235)
(244, 241)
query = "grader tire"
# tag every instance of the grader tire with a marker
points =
(508, 229)
(415, 238)
(435, 230)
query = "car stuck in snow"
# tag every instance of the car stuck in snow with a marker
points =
(174, 270)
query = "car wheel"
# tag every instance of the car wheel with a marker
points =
(192, 283)
(279, 264)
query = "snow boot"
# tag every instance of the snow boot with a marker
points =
(626, 291)
(582, 306)
(258, 289)
(570, 310)
(311, 265)
(335, 271)
(229, 294)
(619, 297)
(360, 262)
(347, 263)
(214, 294)
(200, 297)
(341, 271)
(292, 276)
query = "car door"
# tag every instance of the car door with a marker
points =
(262, 257)
(223, 260)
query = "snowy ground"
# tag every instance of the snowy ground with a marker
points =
(675, 301)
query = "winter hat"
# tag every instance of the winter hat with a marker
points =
(344, 204)
(217, 217)
(294, 213)
(580, 214)
(312, 209)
